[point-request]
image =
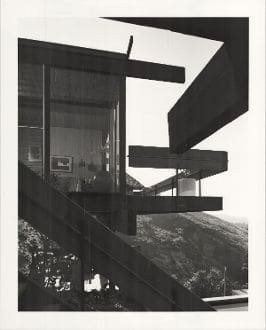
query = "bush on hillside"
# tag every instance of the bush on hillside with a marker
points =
(209, 283)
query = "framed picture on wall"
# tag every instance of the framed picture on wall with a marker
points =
(35, 154)
(61, 164)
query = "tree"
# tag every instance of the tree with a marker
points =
(209, 283)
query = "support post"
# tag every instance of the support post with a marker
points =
(46, 122)
(82, 257)
(177, 194)
(173, 184)
(122, 136)
(199, 184)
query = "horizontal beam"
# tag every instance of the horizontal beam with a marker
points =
(169, 204)
(63, 56)
(145, 204)
(155, 71)
(207, 162)
(233, 31)
(211, 102)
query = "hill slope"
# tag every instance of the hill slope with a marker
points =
(183, 243)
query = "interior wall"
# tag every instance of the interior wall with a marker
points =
(81, 144)
(30, 137)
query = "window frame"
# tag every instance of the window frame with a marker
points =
(77, 58)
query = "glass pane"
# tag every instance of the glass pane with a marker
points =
(84, 131)
(30, 116)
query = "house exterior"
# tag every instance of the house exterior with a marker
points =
(73, 184)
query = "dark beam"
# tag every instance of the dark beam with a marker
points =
(169, 204)
(233, 31)
(195, 117)
(155, 71)
(208, 161)
(107, 203)
(205, 106)
(122, 135)
(64, 56)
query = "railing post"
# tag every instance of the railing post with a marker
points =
(122, 136)
(200, 184)
(173, 184)
(177, 194)
(46, 121)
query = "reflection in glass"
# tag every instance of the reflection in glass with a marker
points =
(30, 116)
(84, 141)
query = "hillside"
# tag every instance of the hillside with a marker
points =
(231, 218)
(181, 244)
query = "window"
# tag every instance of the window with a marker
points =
(70, 117)
(30, 116)
(85, 126)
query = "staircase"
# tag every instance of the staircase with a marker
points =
(74, 229)
(32, 296)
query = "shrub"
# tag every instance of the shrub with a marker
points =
(209, 283)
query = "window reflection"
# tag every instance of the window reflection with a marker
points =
(84, 143)
(30, 116)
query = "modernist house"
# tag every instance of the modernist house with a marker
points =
(73, 185)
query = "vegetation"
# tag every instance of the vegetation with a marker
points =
(47, 264)
(187, 243)
(211, 283)
(193, 248)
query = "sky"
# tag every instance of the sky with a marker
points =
(148, 102)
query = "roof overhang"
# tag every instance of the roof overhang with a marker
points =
(220, 93)
(79, 58)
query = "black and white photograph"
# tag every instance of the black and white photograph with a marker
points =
(135, 174)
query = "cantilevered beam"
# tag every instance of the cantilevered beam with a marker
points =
(168, 204)
(78, 58)
(207, 162)
(113, 203)
(153, 71)
(207, 105)
(220, 93)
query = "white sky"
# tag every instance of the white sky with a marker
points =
(148, 102)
